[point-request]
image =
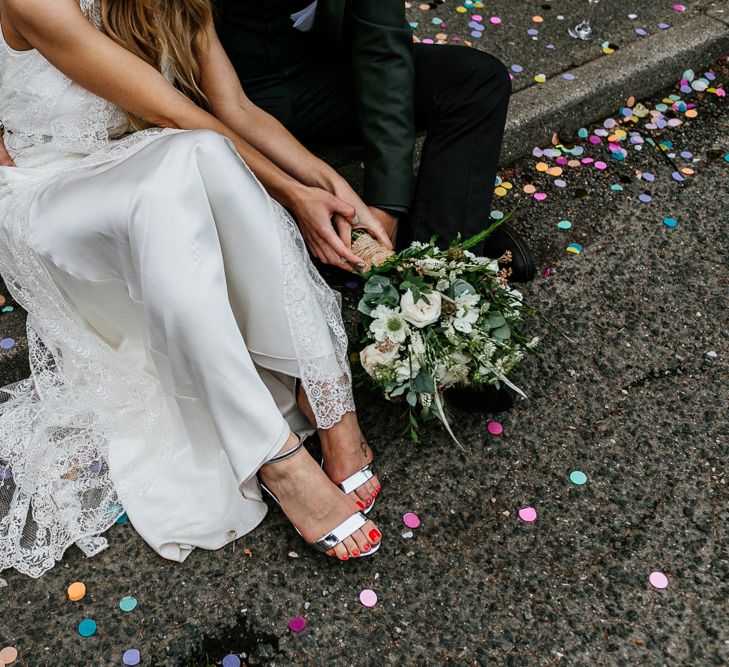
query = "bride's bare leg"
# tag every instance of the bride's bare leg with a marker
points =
(345, 451)
(313, 503)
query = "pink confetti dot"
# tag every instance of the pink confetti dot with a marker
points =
(495, 20)
(658, 580)
(411, 520)
(494, 428)
(600, 165)
(679, 8)
(477, 17)
(368, 597)
(540, 196)
(297, 624)
(528, 514)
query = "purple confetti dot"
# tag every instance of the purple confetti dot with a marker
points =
(6, 343)
(133, 657)
(532, 32)
(517, 68)
(678, 177)
(664, 26)
(649, 177)
(568, 76)
(645, 198)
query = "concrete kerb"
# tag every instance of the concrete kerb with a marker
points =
(598, 89)
(601, 86)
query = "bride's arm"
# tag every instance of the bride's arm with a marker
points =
(229, 103)
(61, 33)
(5, 159)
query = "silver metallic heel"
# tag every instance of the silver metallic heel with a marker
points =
(334, 537)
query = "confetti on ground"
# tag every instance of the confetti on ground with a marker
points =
(76, 591)
(128, 603)
(133, 657)
(564, 224)
(368, 597)
(8, 655)
(670, 222)
(122, 519)
(495, 428)
(528, 514)
(297, 624)
(574, 248)
(407, 534)
(578, 477)
(6, 343)
(87, 627)
(658, 580)
(411, 520)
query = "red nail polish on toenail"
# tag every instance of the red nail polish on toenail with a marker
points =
(369, 502)
(345, 557)
(366, 547)
(378, 489)
(355, 553)
(375, 535)
(360, 504)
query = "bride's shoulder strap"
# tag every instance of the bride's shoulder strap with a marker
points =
(92, 11)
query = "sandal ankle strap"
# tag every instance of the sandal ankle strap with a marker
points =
(288, 454)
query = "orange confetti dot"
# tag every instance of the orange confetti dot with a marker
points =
(8, 655)
(542, 166)
(691, 113)
(631, 102)
(688, 171)
(537, 19)
(555, 171)
(573, 164)
(529, 189)
(441, 36)
(76, 591)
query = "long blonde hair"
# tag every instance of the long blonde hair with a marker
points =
(167, 34)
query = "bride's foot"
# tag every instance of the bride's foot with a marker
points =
(313, 504)
(345, 451)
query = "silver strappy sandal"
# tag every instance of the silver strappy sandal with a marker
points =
(342, 531)
(353, 482)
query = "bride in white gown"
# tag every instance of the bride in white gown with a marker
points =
(171, 302)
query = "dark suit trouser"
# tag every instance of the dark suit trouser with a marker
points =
(461, 100)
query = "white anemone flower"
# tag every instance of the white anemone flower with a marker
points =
(388, 324)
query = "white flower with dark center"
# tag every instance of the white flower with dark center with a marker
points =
(388, 324)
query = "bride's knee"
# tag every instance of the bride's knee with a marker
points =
(203, 142)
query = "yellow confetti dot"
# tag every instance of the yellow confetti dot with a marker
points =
(574, 251)
(542, 166)
(501, 192)
(461, 10)
(555, 171)
(621, 134)
(478, 5)
(691, 113)
(529, 189)
(540, 78)
(572, 164)
(507, 185)
(608, 51)
(537, 19)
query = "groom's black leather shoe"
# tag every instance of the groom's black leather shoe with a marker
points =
(488, 399)
(523, 268)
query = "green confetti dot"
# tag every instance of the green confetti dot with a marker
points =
(497, 215)
(564, 224)
(578, 477)
(128, 603)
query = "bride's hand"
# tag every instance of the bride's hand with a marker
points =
(5, 159)
(314, 209)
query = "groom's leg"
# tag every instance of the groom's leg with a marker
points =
(314, 101)
(461, 98)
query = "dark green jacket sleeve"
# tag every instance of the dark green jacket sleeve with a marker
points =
(381, 45)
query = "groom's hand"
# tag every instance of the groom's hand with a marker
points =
(5, 159)
(387, 222)
(314, 210)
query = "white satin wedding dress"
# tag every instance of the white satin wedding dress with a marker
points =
(171, 303)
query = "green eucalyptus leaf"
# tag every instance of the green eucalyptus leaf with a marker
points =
(423, 383)
(412, 398)
(502, 333)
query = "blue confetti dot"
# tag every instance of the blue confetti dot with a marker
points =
(616, 187)
(122, 519)
(497, 215)
(670, 222)
(87, 627)
(726, 158)
(578, 477)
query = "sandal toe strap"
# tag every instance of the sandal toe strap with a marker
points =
(341, 532)
(358, 479)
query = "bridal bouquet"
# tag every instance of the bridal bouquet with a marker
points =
(435, 318)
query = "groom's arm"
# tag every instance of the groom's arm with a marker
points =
(5, 159)
(383, 76)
